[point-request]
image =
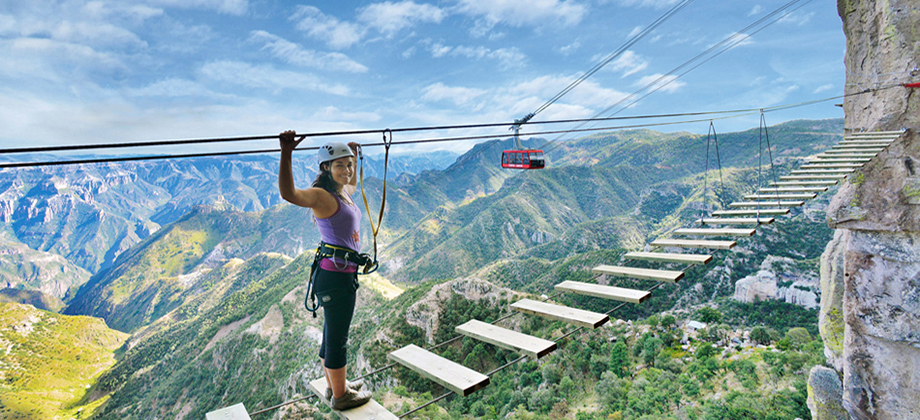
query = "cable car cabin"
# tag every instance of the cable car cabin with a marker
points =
(522, 159)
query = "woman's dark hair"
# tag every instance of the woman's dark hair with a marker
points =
(324, 179)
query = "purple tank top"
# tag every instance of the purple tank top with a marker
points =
(341, 229)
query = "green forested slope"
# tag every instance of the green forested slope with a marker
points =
(50, 362)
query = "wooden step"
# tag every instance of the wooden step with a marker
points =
(752, 212)
(839, 165)
(684, 243)
(821, 171)
(370, 411)
(867, 142)
(561, 313)
(777, 196)
(507, 339)
(697, 259)
(791, 189)
(848, 156)
(736, 221)
(668, 276)
(233, 412)
(803, 182)
(862, 134)
(831, 160)
(605, 292)
(453, 376)
(856, 150)
(812, 177)
(715, 232)
(766, 204)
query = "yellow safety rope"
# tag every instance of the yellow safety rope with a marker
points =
(383, 201)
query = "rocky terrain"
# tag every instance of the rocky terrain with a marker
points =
(870, 272)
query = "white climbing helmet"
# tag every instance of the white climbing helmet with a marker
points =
(333, 151)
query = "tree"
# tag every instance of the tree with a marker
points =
(619, 360)
(668, 321)
(798, 338)
(709, 315)
(760, 335)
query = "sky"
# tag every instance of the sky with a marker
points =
(104, 71)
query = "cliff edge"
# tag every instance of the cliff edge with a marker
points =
(870, 272)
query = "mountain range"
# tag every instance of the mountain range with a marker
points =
(200, 263)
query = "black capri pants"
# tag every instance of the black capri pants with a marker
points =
(335, 292)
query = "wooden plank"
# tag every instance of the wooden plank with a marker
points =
(792, 189)
(877, 133)
(715, 232)
(370, 411)
(779, 196)
(821, 171)
(605, 292)
(668, 276)
(766, 204)
(752, 212)
(814, 177)
(453, 376)
(233, 412)
(737, 221)
(838, 160)
(868, 141)
(561, 313)
(668, 257)
(839, 165)
(684, 243)
(856, 148)
(507, 339)
(861, 154)
(804, 182)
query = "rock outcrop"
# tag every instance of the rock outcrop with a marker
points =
(779, 279)
(871, 271)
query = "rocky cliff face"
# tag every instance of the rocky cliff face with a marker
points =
(779, 279)
(871, 271)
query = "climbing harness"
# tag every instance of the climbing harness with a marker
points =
(334, 252)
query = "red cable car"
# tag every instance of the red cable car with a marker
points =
(522, 159)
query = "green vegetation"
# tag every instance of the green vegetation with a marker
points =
(50, 362)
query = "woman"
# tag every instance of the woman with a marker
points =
(338, 220)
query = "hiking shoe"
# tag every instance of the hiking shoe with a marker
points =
(351, 399)
(356, 385)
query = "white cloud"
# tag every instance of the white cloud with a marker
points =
(524, 12)
(824, 88)
(507, 57)
(756, 10)
(265, 77)
(230, 7)
(172, 88)
(327, 28)
(331, 113)
(389, 18)
(7, 24)
(634, 32)
(629, 63)
(796, 18)
(568, 49)
(658, 4)
(668, 84)
(96, 34)
(292, 53)
(53, 60)
(459, 96)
